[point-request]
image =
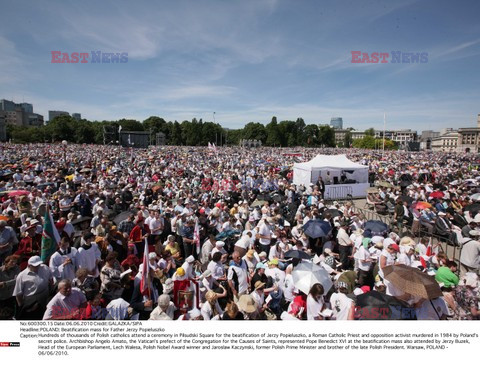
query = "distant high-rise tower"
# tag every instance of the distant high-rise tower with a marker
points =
(77, 116)
(56, 113)
(478, 121)
(336, 123)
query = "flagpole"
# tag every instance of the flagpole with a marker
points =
(384, 125)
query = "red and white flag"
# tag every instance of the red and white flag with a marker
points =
(145, 281)
(196, 236)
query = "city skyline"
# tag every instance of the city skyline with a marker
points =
(248, 61)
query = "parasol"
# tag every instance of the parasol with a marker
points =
(305, 275)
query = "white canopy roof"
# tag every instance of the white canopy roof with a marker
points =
(330, 162)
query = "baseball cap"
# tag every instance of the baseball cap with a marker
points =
(35, 261)
(394, 246)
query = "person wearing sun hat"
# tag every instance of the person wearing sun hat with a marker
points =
(258, 295)
(251, 258)
(247, 305)
(273, 271)
(211, 309)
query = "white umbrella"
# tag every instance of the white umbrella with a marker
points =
(475, 197)
(306, 274)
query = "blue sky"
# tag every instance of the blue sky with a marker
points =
(247, 60)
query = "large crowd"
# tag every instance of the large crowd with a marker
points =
(195, 233)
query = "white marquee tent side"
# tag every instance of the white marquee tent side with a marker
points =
(337, 172)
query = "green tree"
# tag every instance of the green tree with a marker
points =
(176, 135)
(311, 134)
(255, 131)
(234, 136)
(299, 132)
(326, 136)
(348, 139)
(370, 132)
(131, 125)
(273, 133)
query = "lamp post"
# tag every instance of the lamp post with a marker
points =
(216, 140)
(64, 144)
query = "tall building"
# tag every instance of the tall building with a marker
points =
(3, 126)
(7, 105)
(56, 113)
(27, 108)
(336, 123)
(16, 117)
(35, 119)
(447, 142)
(77, 116)
(426, 139)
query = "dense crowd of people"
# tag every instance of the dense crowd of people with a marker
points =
(194, 233)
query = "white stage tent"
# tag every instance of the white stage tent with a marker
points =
(346, 177)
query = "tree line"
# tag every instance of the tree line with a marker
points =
(196, 132)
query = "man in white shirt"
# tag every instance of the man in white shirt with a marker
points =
(207, 248)
(365, 276)
(237, 276)
(63, 261)
(66, 304)
(156, 225)
(89, 255)
(265, 234)
(470, 256)
(31, 289)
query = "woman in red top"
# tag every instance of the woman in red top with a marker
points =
(139, 233)
(28, 246)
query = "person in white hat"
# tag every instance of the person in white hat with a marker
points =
(31, 289)
(444, 228)
(470, 255)
(219, 247)
(188, 267)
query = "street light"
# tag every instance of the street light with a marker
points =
(216, 140)
(65, 143)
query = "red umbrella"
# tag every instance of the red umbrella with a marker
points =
(422, 205)
(437, 195)
(15, 193)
